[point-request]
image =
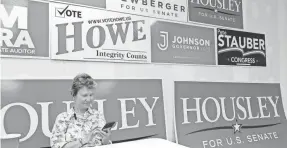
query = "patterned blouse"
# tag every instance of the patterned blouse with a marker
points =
(69, 127)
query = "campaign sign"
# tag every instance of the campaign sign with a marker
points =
(24, 29)
(182, 44)
(241, 48)
(98, 35)
(222, 115)
(164, 9)
(30, 107)
(226, 13)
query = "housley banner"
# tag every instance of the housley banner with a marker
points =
(30, 107)
(223, 115)
(226, 13)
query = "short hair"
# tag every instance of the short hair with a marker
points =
(80, 81)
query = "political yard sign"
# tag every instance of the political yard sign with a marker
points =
(241, 48)
(182, 44)
(226, 13)
(24, 29)
(223, 115)
(164, 9)
(80, 33)
(30, 107)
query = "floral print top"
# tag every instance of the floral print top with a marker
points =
(70, 126)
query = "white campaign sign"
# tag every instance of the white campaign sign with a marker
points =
(79, 33)
(165, 9)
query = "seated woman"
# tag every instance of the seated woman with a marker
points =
(81, 126)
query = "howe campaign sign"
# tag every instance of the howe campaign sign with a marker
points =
(226, 13)
(181, 43)
(241, 48)
(98, 35)
(216, 115)
(30, 107)
(24, 29)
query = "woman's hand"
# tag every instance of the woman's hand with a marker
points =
(106, 136)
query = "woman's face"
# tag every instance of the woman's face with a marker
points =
(84, 98)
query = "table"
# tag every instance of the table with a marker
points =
(145, 143)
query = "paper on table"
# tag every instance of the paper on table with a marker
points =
(150, 143)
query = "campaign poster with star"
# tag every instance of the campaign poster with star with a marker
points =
(224, 115)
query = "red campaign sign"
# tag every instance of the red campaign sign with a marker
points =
(30, 107)
(214, 115)
(25, 29)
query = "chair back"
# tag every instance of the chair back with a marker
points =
(10, 141)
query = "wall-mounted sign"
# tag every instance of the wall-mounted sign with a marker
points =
(226, 13)
(241, 48)
(98, 35)
(24, 29)
(214, 115)
(181, 43)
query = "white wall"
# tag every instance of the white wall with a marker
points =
(282, 28)
(261, 16)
